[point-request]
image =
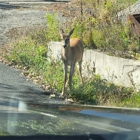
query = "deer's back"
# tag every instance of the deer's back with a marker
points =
(76, 48)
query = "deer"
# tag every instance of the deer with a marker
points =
(72, 53)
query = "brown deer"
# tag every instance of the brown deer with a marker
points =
(72, 52)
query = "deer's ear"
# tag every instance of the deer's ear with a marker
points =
(71, 32)
(61, 31)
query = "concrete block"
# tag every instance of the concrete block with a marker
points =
(120, 71)
(54, 51)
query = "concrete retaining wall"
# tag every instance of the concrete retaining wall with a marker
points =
(119, 71)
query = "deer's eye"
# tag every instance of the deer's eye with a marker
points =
(67, 39)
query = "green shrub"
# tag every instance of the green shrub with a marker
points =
(102, 29)
(28, 53)
(53, 27)
(101, 92)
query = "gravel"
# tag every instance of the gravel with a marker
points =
(14, 18)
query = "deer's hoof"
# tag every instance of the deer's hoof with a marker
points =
(61, 95)
(69, 100)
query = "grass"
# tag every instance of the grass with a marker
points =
(30, 53)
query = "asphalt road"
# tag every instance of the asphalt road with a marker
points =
(13, 86)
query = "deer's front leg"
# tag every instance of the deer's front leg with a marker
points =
(65, 79)
(70, 76)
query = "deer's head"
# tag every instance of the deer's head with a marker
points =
(65, 38)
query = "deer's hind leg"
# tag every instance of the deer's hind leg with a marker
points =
(80, 71)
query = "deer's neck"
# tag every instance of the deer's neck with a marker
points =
(66, 53)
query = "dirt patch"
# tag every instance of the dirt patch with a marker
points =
(19, 20)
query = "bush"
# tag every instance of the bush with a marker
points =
(53, 27)
(100, 92)
(99, 27)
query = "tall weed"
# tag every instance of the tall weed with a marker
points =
(100, 28)
(53, 27)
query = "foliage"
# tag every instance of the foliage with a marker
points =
(54, 75)
(28, 53)
(53, 27)
(101, 92)
(134, 101)
(100, 28)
